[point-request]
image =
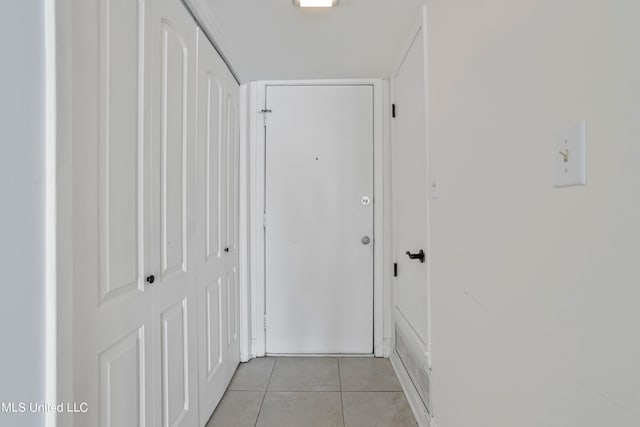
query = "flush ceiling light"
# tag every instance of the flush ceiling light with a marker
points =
(316, 3)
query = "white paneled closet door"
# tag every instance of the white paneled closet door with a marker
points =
(230, 266)
(155, 216)
(112, 182)
(174, 329)
(217, 226)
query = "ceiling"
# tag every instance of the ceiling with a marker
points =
(274, 40)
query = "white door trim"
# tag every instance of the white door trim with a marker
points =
(59, 211)
(51, 315)
(382, 326)
(243, 226)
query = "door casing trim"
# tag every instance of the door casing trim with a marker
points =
(383, 268)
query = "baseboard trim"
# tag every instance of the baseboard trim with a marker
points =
(387, 347)
(415, 402)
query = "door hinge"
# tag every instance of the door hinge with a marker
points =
(265, 322)
(264, 113)
(393, 110)
(264, 220)
(395, 269)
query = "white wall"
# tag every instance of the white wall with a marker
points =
(22, 207)
(536, 290)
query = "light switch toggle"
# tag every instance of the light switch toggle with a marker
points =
(565, 155)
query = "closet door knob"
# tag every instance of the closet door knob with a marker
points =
(226, 250)
(151, 279)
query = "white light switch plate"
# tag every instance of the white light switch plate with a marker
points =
(569, 158)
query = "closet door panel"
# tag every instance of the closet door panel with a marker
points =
(213, 331)
(123, 309)
(232, 310)
(230, 268)
(212, 130)
(174, 299)
(112, 349)
(122, 382)
(175, 374)
(232, 144)
(173, 179)
(211, 229)
(121, 147)
(232, 167)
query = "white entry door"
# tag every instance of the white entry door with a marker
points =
(319, 219)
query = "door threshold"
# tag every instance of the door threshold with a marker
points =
(318, 355)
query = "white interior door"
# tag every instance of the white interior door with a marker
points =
(174, 304)
(319, 219)
(112, 305)
(216, 225)
(410, 191)
(138, 211)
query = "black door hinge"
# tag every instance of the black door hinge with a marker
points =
(264, 113)
(395, 269)
(393, 110)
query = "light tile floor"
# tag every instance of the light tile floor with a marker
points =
(314, 392)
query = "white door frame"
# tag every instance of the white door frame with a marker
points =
(383, 267)
(59, 378)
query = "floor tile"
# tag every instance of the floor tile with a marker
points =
(301, 409)
(377, 409)
(305, 374)
(237, 409)
(253, 375)
(367, 374)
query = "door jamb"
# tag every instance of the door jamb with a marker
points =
(59, 374)
(382, 276)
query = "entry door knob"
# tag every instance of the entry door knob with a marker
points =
(366, 240)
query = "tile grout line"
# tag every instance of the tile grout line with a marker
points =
(265, 392)
(341, 394)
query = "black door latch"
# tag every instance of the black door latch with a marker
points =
(419, 255)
